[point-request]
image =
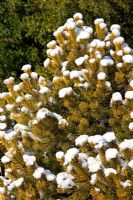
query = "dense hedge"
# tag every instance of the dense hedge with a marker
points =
(27, 25)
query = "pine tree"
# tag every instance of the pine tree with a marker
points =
(100, 166)
(87, 99)
(29, 25)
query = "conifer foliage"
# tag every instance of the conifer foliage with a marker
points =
(87, 102)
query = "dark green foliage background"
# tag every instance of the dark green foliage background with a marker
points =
(26, 26)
